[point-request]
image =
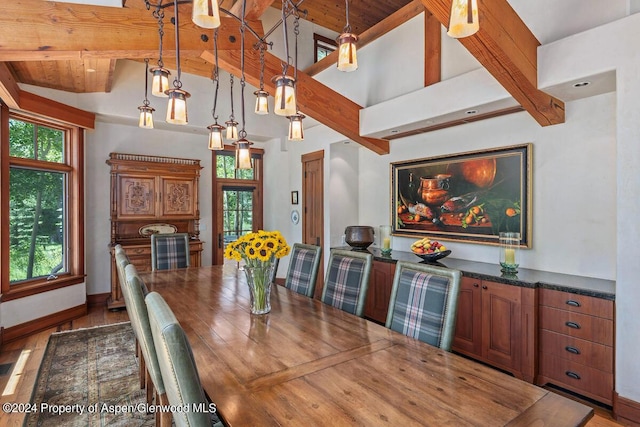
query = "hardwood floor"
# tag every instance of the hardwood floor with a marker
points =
(25, 355)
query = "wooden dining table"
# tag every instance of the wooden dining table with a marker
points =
(308, 364)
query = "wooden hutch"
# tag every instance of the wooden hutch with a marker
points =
(151, 194)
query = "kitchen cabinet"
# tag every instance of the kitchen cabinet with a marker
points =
(576, 343)
(496, 324)
(151, 194)
(380, 283)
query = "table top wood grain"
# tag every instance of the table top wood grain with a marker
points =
(306, 363)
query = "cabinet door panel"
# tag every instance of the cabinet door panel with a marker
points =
(178, 197)
(136, 197)
(501, 318)
(468, 334)
(380, 282)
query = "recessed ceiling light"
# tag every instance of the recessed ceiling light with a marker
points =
(471, 112)
(582, 84)
(394, 131)
(91, 70)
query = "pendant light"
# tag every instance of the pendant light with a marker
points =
(464, 18)
(243, 146)
(232, 125)
(296, 131)
(215, 130)
(347, 58)
(177, 107)
(160, 82)
(285, 96)
(262, 96)
(146, 111)
(205, 13)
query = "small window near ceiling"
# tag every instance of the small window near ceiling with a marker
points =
(323, 46)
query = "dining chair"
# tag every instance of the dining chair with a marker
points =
(347, 280)
(424, 303)
(303, 268)
(178, 366)
(132, 291)
(170, 251)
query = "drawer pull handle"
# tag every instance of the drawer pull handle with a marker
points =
(573, 303)
(572, 375)
(573, 325)
(138, 251)
(572, 349)
(475, 285)
(484, 286)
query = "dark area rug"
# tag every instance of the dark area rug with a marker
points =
(91, 375)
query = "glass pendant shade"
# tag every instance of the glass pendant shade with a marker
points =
(160, 81)
(146, 117)
(262, 102)
(215, 137)
(205, 13)
(243, 154)
(232, 130)
(177, 108)
(296, 131)
(347, 58)
(285, 98)
(464, 18)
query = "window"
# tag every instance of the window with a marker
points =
(44, 218)
(322, 46)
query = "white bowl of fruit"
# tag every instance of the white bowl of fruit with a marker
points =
(429, 250)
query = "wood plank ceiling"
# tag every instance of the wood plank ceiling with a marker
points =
(74, 48)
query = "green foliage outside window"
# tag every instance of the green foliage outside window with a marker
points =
(37, 203)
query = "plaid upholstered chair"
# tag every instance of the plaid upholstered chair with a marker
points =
(170, 251)
(178, 366)
(347, 280)
(424, 303)
(303, 269)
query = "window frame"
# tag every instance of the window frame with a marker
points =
(322, 42)
(73, 166)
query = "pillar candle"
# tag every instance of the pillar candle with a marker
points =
(386, 243)
(509, 256)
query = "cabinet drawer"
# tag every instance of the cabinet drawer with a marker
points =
(577, 303)
(587, 353)
(577, 325)
(577, 376)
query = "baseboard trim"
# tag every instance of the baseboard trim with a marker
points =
(94, 300)
(42, 323)
(626, 410)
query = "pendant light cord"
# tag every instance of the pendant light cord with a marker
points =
(176, 82)
(158, 13)
(242, 133)
(216, 76)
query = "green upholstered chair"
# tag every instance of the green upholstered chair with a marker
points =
(347, 280)
(303, 268)
(133, 293)
(424, 303)
(170, 251)
(178, 367)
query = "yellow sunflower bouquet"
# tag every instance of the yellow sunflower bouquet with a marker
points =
(259, 251)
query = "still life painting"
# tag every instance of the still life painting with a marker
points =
(469, 196)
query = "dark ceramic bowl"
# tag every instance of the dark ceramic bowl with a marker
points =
(434, 256)
(359, 236)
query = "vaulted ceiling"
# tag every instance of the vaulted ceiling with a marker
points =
(74, 47)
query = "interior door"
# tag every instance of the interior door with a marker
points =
(236, 205)
(313, 207)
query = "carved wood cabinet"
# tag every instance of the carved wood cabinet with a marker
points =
(151, 194)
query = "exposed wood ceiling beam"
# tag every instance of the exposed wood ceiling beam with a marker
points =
(314, 99)
(432, 49)
(255, 8)
(378, 30)
(58, 31)
(9, 90)
(506, 47)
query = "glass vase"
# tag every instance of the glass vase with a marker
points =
(386, 240)
(509, 253)
(259, 281)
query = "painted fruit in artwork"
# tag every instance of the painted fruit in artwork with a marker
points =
(480, 172)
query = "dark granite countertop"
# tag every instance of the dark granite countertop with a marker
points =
(599, 288)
